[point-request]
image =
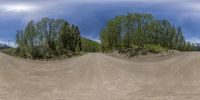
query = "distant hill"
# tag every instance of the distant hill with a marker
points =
(198, 46)
(4, 46)
(90, 45)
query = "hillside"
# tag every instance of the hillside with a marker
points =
(90, 45)
(3, 46)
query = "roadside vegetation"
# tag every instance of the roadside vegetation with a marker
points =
(132, 34)
(50, 38)
(142, 33)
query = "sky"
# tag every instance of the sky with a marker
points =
(91, 15)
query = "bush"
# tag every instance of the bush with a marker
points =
(135, 50)
(154, 48)
(10, 51)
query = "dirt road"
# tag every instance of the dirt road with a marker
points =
(101, 77)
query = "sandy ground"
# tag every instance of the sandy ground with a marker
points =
(101, 77)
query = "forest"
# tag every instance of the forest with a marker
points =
(57, 38)
(142, 31)
(50, 38)
(90, 45)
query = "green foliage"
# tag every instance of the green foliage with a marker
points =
(9, 51)
(144, 31)
(89, 45)
(154, 48)
(198, 47)
(48, 38)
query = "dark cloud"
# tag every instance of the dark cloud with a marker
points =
(92, 15)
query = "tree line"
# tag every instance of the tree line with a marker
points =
(90, 45)
(142, 30)
(51, 38)
(48, 38)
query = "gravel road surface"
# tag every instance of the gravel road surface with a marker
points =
(97, 76)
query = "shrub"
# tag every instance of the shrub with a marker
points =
(10, 51)
(154, 48)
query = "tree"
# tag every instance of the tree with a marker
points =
(18, 37)
(140, 30)
(29, 36)
(64, 37)
(48, 38)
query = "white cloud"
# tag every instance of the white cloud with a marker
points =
(194, 40)
(35, 9)
(18, 8)
(195, 6)
(9, 43)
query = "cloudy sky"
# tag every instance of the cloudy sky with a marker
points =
(91, 15)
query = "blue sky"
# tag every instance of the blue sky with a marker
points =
(92, 15)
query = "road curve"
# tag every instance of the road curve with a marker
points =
(97, 76)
